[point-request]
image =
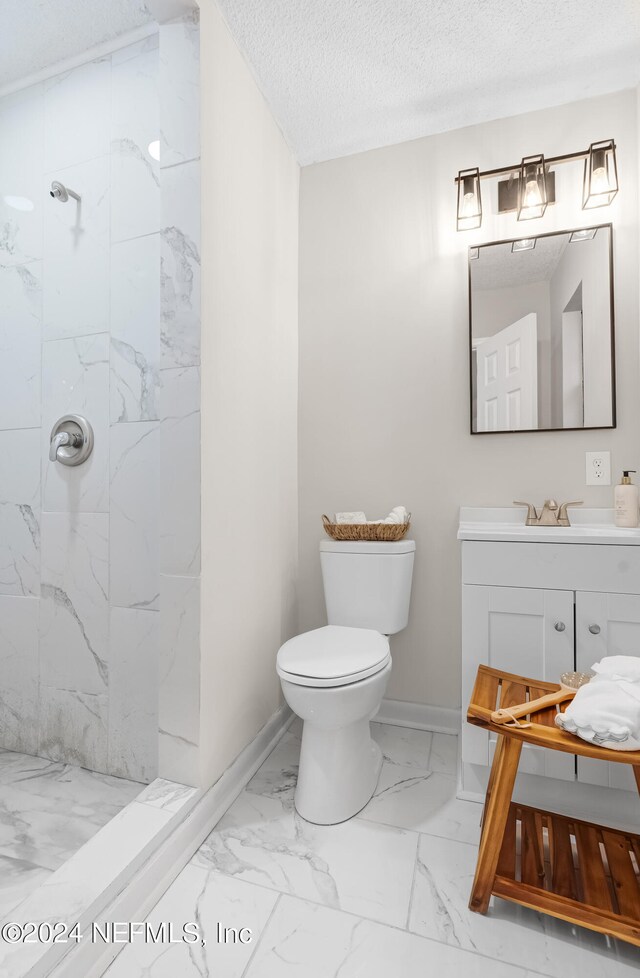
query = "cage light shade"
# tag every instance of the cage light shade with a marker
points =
(600, 175)
(532, 188)
(469, 200)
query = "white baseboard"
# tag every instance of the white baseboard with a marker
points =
(141, 893)
(439, 719)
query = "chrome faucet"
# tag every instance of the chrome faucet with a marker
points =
(551, 513)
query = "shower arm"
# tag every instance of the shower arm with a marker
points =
(60, 192)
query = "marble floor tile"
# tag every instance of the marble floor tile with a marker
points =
(18, 878)
(208, 899)
(304, 939)
(416, 799)
(332, 901)
(508, 933)
(278, 775)
(262, 840)
(48, 811)
(403, 745)
(443, 758)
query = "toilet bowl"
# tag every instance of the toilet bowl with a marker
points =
(339, 762)
(334, 677)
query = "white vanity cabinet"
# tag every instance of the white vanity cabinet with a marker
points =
(542, 601)
(606, 624)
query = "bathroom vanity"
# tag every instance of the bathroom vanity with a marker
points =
(539, 601)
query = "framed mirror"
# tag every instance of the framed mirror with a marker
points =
(541, 331)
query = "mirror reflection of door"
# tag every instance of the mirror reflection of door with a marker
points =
(507, 377)
(542, 332)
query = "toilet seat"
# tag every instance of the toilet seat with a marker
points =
(333, 656)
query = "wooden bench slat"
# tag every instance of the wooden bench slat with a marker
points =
(563, 877)
(595, 889)
(623, 875)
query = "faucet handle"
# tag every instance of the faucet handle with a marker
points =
(563, 516)
(532, 516)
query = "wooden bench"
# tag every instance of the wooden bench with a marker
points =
(584, 873)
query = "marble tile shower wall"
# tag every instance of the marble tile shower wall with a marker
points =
(81, 330)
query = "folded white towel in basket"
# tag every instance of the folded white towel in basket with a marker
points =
(397, 515)
(606, 711)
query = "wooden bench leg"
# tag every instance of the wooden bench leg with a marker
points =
(502, 778)
(492, 777)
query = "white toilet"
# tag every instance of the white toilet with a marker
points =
(334, 677)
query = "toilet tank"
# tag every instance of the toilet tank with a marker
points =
(368, 585)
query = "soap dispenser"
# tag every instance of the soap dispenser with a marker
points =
(626, 501)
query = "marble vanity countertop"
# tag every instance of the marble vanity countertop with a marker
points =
(508, 524)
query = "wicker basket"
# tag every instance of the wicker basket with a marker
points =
(387, 532)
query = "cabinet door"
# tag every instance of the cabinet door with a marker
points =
(527, 631)
(606, 624)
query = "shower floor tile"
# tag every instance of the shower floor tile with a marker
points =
(383, 894)
(48, 811)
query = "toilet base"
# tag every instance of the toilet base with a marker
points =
(339, 771)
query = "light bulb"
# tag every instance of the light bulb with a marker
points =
(599, 181)
(532, 195)
(469, 208)
(469, 211)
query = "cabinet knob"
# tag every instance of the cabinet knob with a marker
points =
(594, 629)
(559, 626)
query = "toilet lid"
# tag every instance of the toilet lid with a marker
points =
(333, 656)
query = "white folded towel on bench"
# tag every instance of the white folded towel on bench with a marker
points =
(606, 711)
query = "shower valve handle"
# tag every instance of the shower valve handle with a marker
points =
(71, 440)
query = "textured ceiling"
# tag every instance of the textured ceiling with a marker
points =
(499, 268)
(343, 76)
(37, 33)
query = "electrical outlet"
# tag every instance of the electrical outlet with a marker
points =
(598, 465)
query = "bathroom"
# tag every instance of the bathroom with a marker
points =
(307, 156)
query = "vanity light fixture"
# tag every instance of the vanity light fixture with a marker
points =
(525, 244)
(584, 234)
(529, 186)
(600, 175)
(532, 188)
(469, 200)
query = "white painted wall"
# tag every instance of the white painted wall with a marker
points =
(384, 396)
(250, 184)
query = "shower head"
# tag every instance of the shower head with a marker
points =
(60, 192)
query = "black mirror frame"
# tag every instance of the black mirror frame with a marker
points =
(513, 431)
